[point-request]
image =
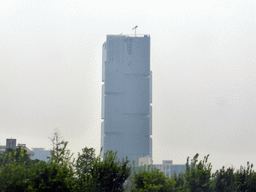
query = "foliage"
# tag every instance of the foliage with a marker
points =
(51, 177)
(85, 163)
(18, 155)
(152, 180)
(96, 174)
(19, 173)
(198, 175)
(243, 179)
(92, 173)
(224, 180)
(246, 178)
(13, 171)
(179, 181)
(57, 174)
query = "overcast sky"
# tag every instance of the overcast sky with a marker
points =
(202, 57)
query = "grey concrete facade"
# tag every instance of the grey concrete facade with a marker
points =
(127, 96)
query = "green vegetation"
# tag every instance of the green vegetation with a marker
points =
(152, 180)
(198, 178)
(92, 173)
(62, 173)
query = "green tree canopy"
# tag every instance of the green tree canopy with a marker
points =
(152, 180)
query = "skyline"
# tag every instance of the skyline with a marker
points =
(202, 58)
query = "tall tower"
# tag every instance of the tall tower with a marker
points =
(127, 96)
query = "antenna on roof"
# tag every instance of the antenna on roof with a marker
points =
(135, 29)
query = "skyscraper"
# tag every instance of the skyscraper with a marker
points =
(127, 96)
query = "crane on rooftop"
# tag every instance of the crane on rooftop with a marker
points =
(135, 29)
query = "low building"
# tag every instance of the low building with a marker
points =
(41, 154)
(29, 152)
(2, 148)
(144, 161)
(11, 143)
(167, 167)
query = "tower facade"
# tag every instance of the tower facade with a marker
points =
(127, 96)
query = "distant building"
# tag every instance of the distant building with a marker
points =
(29, 152)
(167, 167)
(2, 148)
(41, 154)
(127, 96)
(145, 161)
(11, 143)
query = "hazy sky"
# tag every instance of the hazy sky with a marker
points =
(202, 57)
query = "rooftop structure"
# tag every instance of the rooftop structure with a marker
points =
(11, 143)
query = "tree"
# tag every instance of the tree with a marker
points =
(84, 168)
(152, 180)
(198, 175)
(224, 180)
(18, 155)
(100, 175)
(179, 181)
(90, 173)
(245, 178)
(14, 173)
(84, 162)
(58, 173)
(52, 177)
